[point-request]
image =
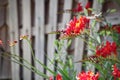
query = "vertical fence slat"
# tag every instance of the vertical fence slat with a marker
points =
(26, 20)
(66, 18)
(39, 36)
(5, 64)
(51, 38)
(13, 27)
(79, 47)
(78, 54)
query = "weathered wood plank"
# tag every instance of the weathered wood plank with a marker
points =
(26, 20)
(78, 54)
(51, 38)
(66, 18)
(2, 16)
(79, 47)
(39, 34)
(14, 35)
(5, 68)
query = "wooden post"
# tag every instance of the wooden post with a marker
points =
(51, 38)
(79, 47)
(14, 35)
(26, 20)
(39, 34)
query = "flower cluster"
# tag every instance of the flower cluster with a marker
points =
(76, 26)
(107, 49)
(87, 76)
(79, 8)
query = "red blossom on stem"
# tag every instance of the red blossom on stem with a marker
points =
(58, 77)
(116, 28)
(76, 26)
(78, 8)
(107, 49)
(116, 72)
(87, 76)
(88, 5)
(50, 78)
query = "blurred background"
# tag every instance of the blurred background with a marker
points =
(37, 18)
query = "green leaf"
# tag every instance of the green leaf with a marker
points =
(70, 62)
(56, 42)
(113, 10)
(108, 32)
(102, 32)
(86, 12)
(64, 74)
(110, 25)
(93, 23)
(98, 39)
(46, 67)
(69, 43)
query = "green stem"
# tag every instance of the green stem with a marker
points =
(29, 67)
(29, 43)
(58, 68)
(35, 59)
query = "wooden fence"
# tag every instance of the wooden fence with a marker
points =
(36, 18)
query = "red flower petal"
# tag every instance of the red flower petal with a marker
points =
(107, 49)
(58, 77)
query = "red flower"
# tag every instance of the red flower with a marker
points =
(76, 26)
(50, 78)
(116, 72)
(1, 42)
(116, 28)
(87, 76)
(107, 49)
(78, 8)
(58, 77)
(88, 5)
